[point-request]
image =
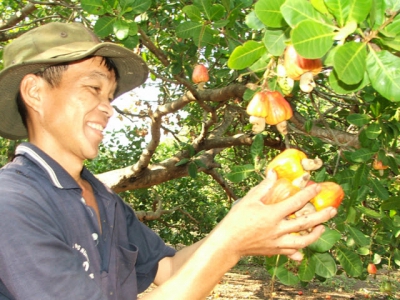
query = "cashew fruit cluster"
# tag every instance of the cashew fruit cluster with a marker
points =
(293, 169)
(269, 107)
(300, 68)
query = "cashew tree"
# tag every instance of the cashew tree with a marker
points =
(194, 148)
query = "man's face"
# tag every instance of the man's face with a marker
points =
(75, 112)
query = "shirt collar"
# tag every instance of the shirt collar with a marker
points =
(56, 174)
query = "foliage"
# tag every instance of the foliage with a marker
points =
(350, 118)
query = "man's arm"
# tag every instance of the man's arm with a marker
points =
(250, 228)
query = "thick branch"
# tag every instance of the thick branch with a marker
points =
(15, 19)
(332, 136)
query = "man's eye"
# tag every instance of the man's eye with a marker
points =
(96, 88)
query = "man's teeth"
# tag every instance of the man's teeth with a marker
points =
(96, 126)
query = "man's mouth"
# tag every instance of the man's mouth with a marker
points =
(96, 126)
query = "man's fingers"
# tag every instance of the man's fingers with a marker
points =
(298, 200)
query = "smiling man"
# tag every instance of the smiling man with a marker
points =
(63, 234)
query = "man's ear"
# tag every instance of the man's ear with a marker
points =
(30, 89)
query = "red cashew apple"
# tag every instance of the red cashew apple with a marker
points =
(371, 268)
(331, 194)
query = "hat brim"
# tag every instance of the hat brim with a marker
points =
(131, 68)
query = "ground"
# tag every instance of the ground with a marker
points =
(250, 281)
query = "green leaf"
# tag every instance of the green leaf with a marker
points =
(358, 119)
(275, 40)
(362, 155)
(217, 12)
(320, 6)
(200, 164)
(188, 29)
(121, 29)
(104, 26)
(373, 131)
(340, 9)
(370, 213)
(269, 13)
(95, 7)
(325, 265)
(350, 62)
(350, 261)
(286, 277)
(360, 238)
(192, 170)
(359, 10)
(306, 270)
(361, 176)
(135, 7)
(391, 203)
(205, 6)
(245, 55)
(311, 39)
(253, 21)
(377, 14)
(257, 146)
(392, 5)
(182, 162)
(326, 241)
(384, 72)
(342, 88)
(201, 34)
(240, 173)
(392, 29)
(379, 189)
(192, 12)
(296, 11)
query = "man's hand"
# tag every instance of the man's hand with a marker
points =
(255, 228)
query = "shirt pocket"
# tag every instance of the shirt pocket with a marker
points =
(126, 274)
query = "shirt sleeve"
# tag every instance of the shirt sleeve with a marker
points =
(151, 250)
(35, 261)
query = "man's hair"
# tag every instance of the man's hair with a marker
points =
(53, 75)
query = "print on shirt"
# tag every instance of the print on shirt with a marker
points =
(86, 263)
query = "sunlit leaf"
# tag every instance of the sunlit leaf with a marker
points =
(245, 55)
(296, 11)
(274, 41)
(350, 62)
(269, 12)
(340, 9)
(384, 71)
(359, 10)
(311, 39)
(121, 29)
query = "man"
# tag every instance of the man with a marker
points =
(63, 234)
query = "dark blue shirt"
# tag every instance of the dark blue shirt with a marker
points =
(51, 246)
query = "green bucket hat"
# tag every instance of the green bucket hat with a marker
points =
(52, 44)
